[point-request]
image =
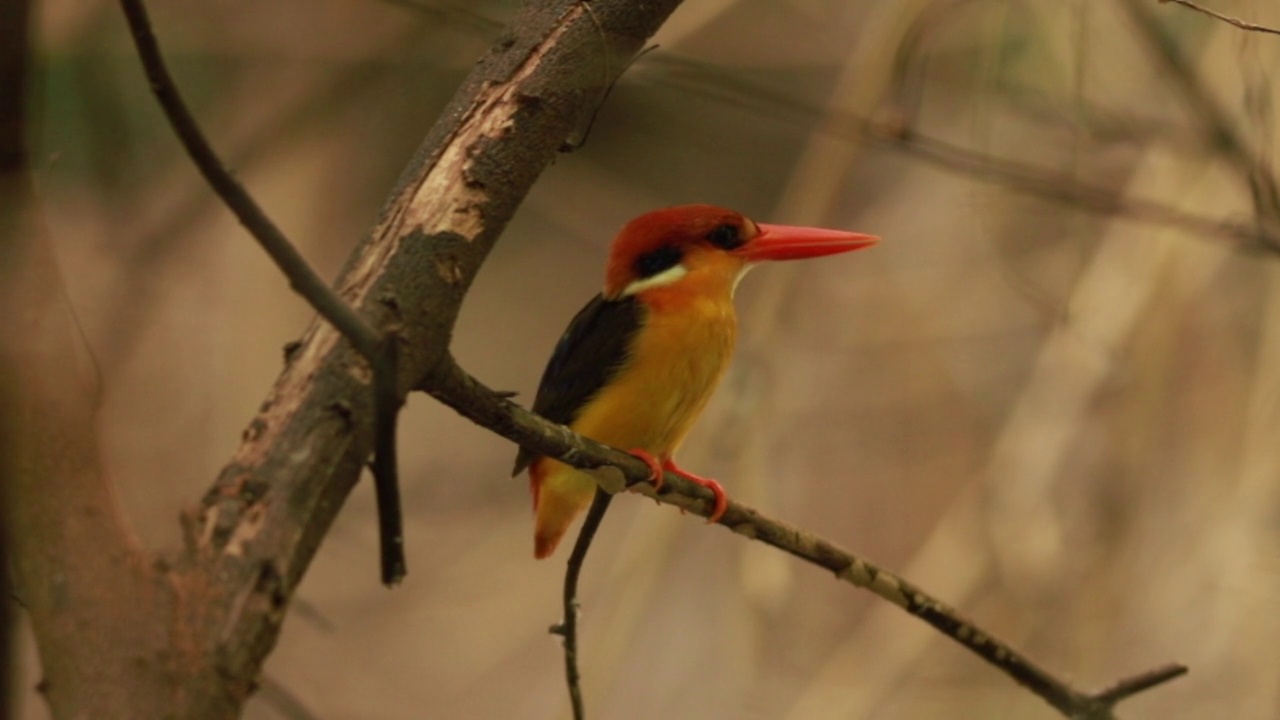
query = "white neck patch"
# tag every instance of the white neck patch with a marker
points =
(741, 274)
(666, 277)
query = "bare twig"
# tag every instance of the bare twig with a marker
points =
(1216, 121)
(1024, 178)
(452, 386)
(1054, 187)
(568, 628)
(1129, 687)
(256, 530)
(447, 212)
(151, 243)
(1242, 24)
(1221, 130)
(193, 626)
(386, 483)
(301, 277)
(377, 349)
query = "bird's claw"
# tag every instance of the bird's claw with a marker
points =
(655, 467)
(721, 502)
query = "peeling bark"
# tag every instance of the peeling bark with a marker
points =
(256, 530)
(123, 634)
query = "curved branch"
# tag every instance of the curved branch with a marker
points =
(254, 533)
(301, 277)
(568, 628)
(452, 386)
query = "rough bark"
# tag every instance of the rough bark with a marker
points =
(258, 527)
(123, 634)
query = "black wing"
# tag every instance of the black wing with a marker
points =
(589, 354)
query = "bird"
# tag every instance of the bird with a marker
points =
(639, 362)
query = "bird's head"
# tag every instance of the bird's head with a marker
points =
(704, 250)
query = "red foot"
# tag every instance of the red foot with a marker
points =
(655, 467)
(722, 500)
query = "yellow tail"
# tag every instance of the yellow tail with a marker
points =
(559, 494)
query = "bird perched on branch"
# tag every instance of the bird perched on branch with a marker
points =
(639, 362)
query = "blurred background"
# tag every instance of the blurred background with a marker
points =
(1049, 396)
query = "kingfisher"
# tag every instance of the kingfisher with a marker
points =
(639, 362)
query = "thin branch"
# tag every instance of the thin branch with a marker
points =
(452, 230)
(378, 350)
(254, 533)
(386, 483)
(1035, 181)
(568, 628)
(1216, 121)
(470, 398)
(301, 277)
(1129, 687)
(151, 243)
(1242, 24)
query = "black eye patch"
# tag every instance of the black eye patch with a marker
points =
(725, 237)
(655, 261)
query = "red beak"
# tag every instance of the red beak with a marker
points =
(786, 242)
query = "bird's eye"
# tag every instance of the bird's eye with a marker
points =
(655, 261)
(725, 237)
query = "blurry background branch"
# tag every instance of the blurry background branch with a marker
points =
(15, 201)
(896, 127)
(1218, 124)
(71, 559)
(1242, 24)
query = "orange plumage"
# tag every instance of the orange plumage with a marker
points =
(639, 363)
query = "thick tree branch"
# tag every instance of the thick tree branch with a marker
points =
(256, 530)
(213, 611)
(15, 54)
(452, 386)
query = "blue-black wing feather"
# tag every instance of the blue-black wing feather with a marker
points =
(592, 350)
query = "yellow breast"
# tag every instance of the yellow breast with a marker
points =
(676, 362)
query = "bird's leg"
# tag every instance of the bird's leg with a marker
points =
(655, 467)
(722, 500)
